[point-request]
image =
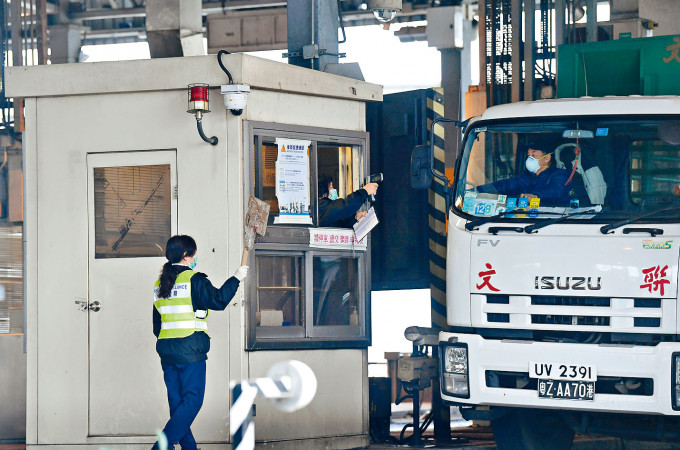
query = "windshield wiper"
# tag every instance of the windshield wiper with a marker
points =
(473, 225)
(606, 229)
(531, 228)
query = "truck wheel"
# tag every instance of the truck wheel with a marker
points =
(532, 430)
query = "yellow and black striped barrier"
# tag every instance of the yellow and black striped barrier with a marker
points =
(437, 213)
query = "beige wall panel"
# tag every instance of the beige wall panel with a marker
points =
(62, 274)
(31, 269)
(13, 390)
(336, 408)
(294, 109)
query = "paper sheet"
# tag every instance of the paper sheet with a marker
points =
(366, 224)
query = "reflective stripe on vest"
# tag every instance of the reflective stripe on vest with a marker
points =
(178, 318)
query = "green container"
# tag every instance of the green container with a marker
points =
(644, 66)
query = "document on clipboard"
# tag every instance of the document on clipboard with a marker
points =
(366, 224)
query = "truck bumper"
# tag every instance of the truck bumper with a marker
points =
(487, 356)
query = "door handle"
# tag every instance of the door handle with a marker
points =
(84, 306)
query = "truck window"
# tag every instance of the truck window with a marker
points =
(616, 166)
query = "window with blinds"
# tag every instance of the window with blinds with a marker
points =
(132, 211)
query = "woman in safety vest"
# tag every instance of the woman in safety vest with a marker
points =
(182, 298)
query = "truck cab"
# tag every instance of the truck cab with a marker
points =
(562, 272)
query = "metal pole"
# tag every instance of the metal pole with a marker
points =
(32, 18)
(16, 57)
(42, 42)
(559, 22)
(416, 417)
(516, 45)
(529, 48)
(492, 53)
(481, 29)
(591, 21)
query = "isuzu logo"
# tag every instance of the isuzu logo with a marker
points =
(568, 283)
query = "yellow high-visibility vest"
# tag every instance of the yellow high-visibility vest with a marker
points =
(178, 319)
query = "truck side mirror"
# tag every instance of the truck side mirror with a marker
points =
(421, 172)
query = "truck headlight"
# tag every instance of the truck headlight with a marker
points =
(675, 380)
(454, 361)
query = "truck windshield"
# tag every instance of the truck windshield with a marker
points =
(620, 167)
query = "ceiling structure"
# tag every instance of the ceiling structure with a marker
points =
(119, 21)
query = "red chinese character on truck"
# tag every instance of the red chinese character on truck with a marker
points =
(655, 279)
(486, 278)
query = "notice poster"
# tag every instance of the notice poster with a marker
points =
(292, 181)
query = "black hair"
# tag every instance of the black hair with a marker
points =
(176, 248)
(324, 182)
(542, 143)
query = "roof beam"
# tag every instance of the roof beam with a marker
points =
(208, 8)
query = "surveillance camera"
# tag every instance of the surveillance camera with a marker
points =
(384, 10)
(384, 15)
(235, 97)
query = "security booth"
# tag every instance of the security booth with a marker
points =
(114, 166)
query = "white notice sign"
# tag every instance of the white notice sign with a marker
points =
(336, 238)
(292, 181)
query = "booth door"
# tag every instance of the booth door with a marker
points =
(132, 211)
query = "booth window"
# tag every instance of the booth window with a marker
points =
(307, 292)
(279, 293)
(132, 211)
(342, 162)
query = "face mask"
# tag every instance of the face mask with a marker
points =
(532, 164)
(192, 265)
(333, 194)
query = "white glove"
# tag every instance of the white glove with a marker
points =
(241, 273)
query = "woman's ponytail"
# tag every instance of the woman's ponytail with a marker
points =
(176, 248)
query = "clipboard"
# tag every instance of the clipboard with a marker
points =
(366, 224)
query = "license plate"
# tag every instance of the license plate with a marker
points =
(569, 390)
(562, 371)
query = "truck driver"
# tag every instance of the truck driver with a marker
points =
(540, 180)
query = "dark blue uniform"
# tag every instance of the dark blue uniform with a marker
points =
(547, 185)
(340, 213)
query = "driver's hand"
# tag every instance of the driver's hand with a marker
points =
(360, 215)
(528, 196)
(371, 188)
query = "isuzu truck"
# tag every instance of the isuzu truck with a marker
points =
(562, 276)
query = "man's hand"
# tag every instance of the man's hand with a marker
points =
(360, 215)
(528, 196)
(371, 188)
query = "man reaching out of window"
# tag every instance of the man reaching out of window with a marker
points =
(339, 212)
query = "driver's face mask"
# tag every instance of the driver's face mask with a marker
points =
(533, 164)
(333, 194)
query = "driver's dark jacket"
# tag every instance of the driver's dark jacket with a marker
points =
(204, 296)
(340, 212)
(548, 186)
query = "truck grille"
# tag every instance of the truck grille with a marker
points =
(597, 314)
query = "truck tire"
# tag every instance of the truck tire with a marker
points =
(532, 429)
